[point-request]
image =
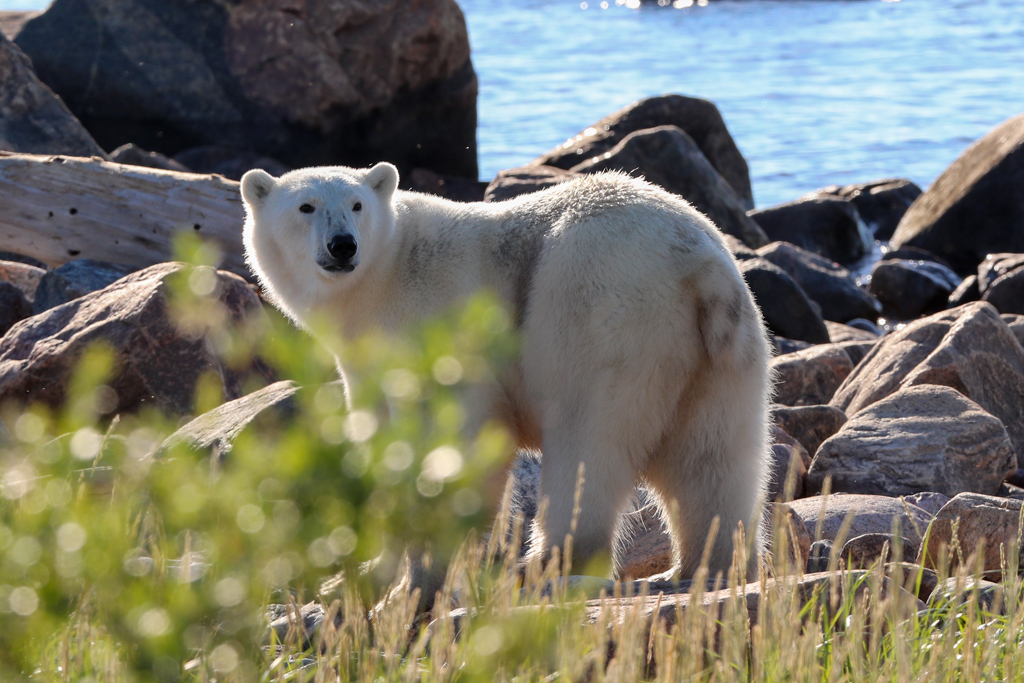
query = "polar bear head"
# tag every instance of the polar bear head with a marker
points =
(329, 220)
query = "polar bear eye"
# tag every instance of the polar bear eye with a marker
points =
(358, 206)
(307, 208)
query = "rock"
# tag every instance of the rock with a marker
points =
(740, 251)
(824, 281)
(1007, 490)
(866, 325)
(908, 289)
(23, 276)
(921, 438)
(871, 514)
(981, 520)
(994, 266)
(298, 626)
(228, 162)
(782, 346)
(856, 350)
(75, 279)
(818, 556)
(785, 457)
(1016, 324)
(1007, 292)
(133, 155)
(156, 362)
(880, 204)
(959, 590)
(860, 552)
(975, 207)
(821, 224)
(787, 310)
(1016, 478)
(799, 538)
(913, 577)
(968, 348)
(32, 118)
(390, 81)
(810, 377)
(929, 501)
(13, 306)
(966, 292)
(524, 180)
(668, 157)
(810, 425)
(450, 187)
(913, 254)
(838, 332)
(700, 119)
(779, 436)
(21, 258)
(11, 22)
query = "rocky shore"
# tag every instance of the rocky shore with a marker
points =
(899, 416)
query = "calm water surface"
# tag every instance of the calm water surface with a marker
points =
(814, 91)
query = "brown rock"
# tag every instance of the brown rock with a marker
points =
(968, 348)
(871, 514)
(922, 438)
(668, 157)
(975, 207)
(779, 436)
(796, 536)
(810, 425)
(929, 501)
(23, 276)
(856, 350)
(810, 377)
(785, 458)
(645, 548)
(524, 180)
(985, 524)
(157, 361)
(700, 119)
(860, 552)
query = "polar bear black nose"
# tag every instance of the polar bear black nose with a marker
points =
(342, 247)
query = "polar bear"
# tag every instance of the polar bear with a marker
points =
(642, 353)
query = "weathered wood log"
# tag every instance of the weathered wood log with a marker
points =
(58, 208)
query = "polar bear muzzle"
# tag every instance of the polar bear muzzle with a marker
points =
(341, 254)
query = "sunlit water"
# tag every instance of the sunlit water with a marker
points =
(814, 91)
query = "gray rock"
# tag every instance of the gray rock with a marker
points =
(921, 438)
(838, 332)
(700, 119)
(1008, 490)
(1007, 292)
(984, 524)
(75, 279)
(856, 350)
(513, 182)
(880, 203)
(966, 292)
(994, 266)
(866, 325)
(23, 276)
(912, 254)
(13, 306)
(822, 224)
(908, 289)
(786, 308)
(781, 346)
(824, 281)
(810, 377)
(32, 119)
(799, 538)
(968, 348)
(818, 556)
(975, 207)
(871, 514)
(1016, 324)
(960, 590)
(785, 457)
(810, 425)
(133, 155)
(860, 552)
(21, 258)
(668, 157)
(929, 501)
(779, 436)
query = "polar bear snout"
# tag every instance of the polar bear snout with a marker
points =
(341, 254)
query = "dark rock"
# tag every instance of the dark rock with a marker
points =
(1006, 490)
(810, 377)
(782, 346)
(929, 501)
(881, 203)
(700, 119)
(1016, 324)
(75, 279)
(785, 457)
(32, 119)
(779, 436)
(524, 180)
(995, 266)
(966, 292)
(838, 332)
(913, 254)
(134, 155)
(810, 425)
(824, 281)
(23, 276)
(668, 157)
(227, 161)
(12, 22)
(871, 514)
(156, 362)
(867, 325)
(960, 590)
(818, 556)
(975, 207)
(740, 251)
(908, 289)
(1016, 478)
(450, 187)
(822, 224)
(968, 348)
(922, 438)
(981, 522)
(21, 258)
(786, 308)
(860, 552)
(392, 81)
(1007, 293)
(13, 306)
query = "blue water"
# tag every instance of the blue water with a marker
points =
(814, 92)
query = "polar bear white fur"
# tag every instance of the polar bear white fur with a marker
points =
(643, 355)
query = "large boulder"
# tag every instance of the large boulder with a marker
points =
(823, 224)
(32, 118)
(975, 207)
(668, 157)
(824, 517)
(810, 377)
(922, 438)
(980, 521)
(880, 203)
(317, 82)
(23, 276)
(513, 182)
(969, 348)
(699, 118)
(158, 361)
(908, 289)
(824, 280)
(786, 308)
(809, 425)
(74, 279)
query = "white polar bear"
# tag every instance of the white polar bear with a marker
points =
(643, 355)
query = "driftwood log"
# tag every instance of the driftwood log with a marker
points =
(58, 208)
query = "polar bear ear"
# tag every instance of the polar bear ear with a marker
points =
(383, 179)
(256, 185)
